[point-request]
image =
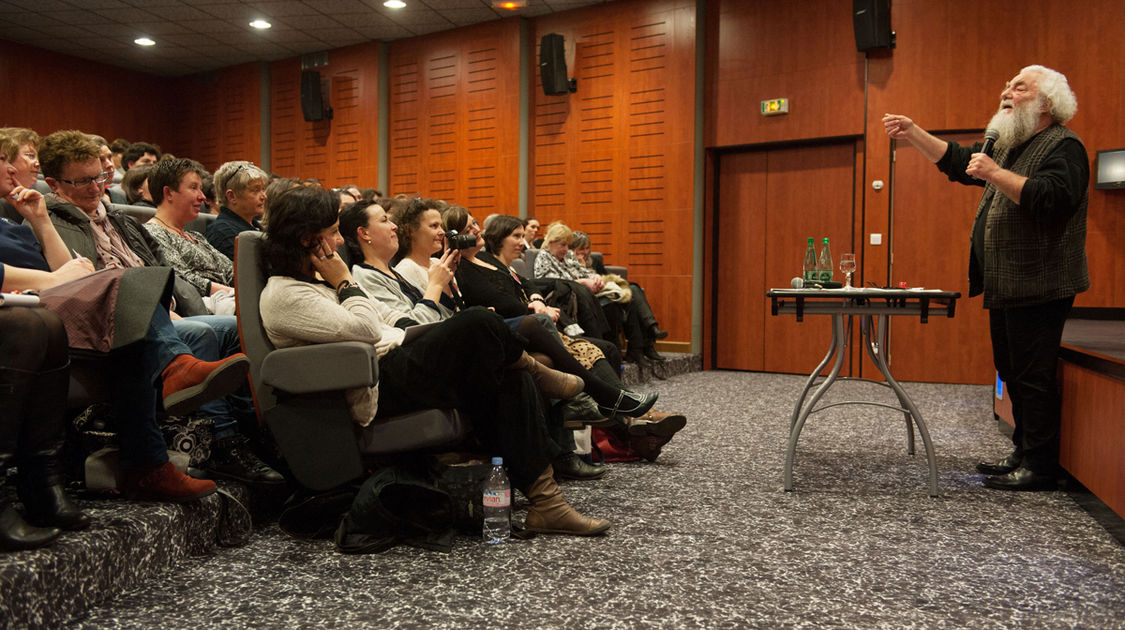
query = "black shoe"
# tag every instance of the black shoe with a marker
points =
(49, 506)
(634, 356)
(16, 534)
(1002, 467)
(571, 466)
(231, 458)
(657, 333)
(1022, 478)
(653, 355)
(630, 404)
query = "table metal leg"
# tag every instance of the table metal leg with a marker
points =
(876, 347)
(795, 427)
(832, 349)
(880, 360)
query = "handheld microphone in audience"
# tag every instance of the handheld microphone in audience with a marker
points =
(990, 137)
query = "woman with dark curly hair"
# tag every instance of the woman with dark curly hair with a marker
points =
(473, 361)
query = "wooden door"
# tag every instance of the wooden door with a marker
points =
(768, 203)
(932, 222)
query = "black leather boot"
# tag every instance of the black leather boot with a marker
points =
(15, 533)
(40, 485)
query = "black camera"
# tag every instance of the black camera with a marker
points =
(460, 241)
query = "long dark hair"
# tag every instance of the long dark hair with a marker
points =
(353, 217)
(295, 216)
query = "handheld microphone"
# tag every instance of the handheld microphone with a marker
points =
(797, 283)
(990, 137)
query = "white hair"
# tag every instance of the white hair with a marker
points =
(1056, 92)
(237, 176)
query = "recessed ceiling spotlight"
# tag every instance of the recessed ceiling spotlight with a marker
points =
(394, 4)
(144, 41)
(510, 5)
(260, 24)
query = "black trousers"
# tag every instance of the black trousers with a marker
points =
(1025, 350)
(460, 363)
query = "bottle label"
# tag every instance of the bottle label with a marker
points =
(826, 275)
(497, 498)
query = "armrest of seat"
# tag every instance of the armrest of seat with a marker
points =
(619, 270)
(322, 367)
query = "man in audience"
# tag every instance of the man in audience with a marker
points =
(74, 172)
(140, 153)
(113, 191)
(1027, 253)
(118, 148)
(530, 232)
(242, 187)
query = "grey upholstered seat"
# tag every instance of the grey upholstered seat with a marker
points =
(299, 394)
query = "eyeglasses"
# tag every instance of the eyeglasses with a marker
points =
(101, 178)
(31, 156)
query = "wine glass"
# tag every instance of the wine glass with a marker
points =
(847, 265)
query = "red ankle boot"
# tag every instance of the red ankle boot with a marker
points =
(164, 483)
(189, 382)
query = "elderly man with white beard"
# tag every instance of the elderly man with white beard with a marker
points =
(1028, 253)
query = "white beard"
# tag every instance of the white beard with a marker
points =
(1015, 126)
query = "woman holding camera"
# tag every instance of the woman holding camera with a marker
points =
(420, 238)
(373, 238)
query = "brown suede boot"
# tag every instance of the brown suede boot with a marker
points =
(551, 514)
(552, 383)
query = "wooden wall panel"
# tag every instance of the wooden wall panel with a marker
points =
(1092, 436)
(803, 51)
(218, 116)
(454, 117)
(47, 91)
(614, 159)
(343, 150)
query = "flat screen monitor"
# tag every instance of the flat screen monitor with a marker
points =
(1110, 170)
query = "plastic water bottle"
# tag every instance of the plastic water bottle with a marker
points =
(810, 274)
(824, 263)
(497, 504)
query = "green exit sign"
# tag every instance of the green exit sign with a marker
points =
(775, 106)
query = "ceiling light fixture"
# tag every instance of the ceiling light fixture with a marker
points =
(144, 41)
(510, 5)
(394, 4)
(260, 24)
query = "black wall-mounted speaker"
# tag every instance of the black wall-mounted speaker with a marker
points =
(872, 22)
(552, 65)
(312, 100)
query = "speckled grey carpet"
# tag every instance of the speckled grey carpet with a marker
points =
(706, 538)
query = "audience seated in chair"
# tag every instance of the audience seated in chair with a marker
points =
(140, 153)
(465, 362)
(486, 279)
(176, 188)
(641, 326)
(88, 229)
(242, 188)
(141, 352)
(557, 261)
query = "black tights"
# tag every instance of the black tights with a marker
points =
(539, 340)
